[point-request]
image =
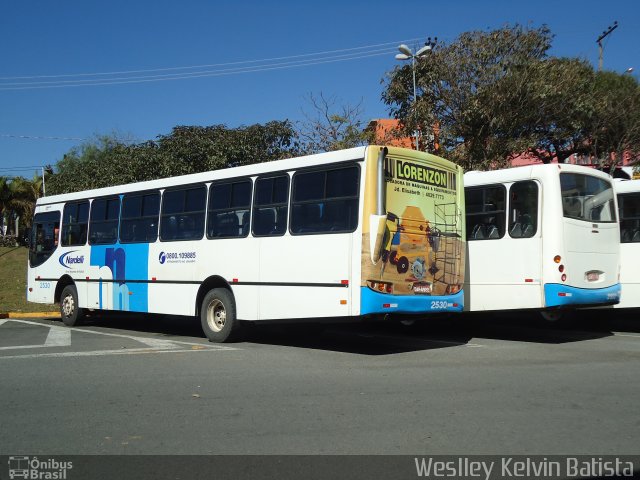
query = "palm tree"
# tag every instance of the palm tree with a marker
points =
(23, 196)
(5, 197)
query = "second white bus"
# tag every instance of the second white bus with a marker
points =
(542, 237)
(628, 193)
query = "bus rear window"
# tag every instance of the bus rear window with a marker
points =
(588, 198)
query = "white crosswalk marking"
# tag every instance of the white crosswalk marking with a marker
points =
(58, 337)
(61, 337)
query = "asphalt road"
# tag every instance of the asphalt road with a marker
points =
(478, 385)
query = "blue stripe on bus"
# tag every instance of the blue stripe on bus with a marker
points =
(375, 302)
(129, 260)
(557, 295)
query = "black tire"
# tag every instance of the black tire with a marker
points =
(70, 313)
(393, 258)
(403, 265)
(218, 316)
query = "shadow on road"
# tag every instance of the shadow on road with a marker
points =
(387, 338)
(358, 338)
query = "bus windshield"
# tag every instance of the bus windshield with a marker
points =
(585, 197)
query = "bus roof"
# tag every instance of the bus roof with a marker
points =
(350, 154)
(626, 186)
(357, 153)
(527, 172)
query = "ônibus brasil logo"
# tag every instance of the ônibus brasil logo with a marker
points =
(68, 261)
(162, 258)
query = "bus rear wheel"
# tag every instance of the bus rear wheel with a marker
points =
(218, 316)
(70, 312)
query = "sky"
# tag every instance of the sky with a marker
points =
(71, 70)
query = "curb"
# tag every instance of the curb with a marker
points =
(30, 315)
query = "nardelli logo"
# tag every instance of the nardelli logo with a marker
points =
(162, 258)
(68, 261)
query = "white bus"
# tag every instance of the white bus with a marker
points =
(359, 232)
(628, 192)
(541, 237)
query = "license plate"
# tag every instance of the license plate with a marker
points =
(593, 276)
(422, 288)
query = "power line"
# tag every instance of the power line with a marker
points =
(126, 72)
(35, 137)
(158, 78)
(18, 169)
(228, 71)
(206, 73)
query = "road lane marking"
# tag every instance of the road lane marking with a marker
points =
(616, 334)
(61, 337)
(129, 351)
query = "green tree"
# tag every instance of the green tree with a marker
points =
(89, 165)
(458, 92)
(546, 108)
(108, 161)
(24, 194)
(494, 95)
(615, 129)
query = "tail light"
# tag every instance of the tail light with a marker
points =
(453, 289)
(382, 287)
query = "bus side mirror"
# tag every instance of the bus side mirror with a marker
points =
(377, 225)
(26, 237)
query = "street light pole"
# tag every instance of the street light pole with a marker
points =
(407, 54)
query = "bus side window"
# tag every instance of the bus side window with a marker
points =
(75, 223)
(270, 206)
(139, 218)
(229, 206)
(183, 213)
(629, 213)
(485, 212)
(103, 221)
(523, 208)
(325, 201)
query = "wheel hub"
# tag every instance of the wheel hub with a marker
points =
(216, 315)
(68, 306)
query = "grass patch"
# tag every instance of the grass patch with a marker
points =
(13, 282)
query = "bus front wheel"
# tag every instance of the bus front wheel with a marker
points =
(218, 316)
(70, 312)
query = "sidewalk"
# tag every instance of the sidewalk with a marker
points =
(29, 314)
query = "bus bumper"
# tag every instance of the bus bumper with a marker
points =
(557, 295)
(374, 302)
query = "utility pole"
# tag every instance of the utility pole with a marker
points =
(599, 42)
